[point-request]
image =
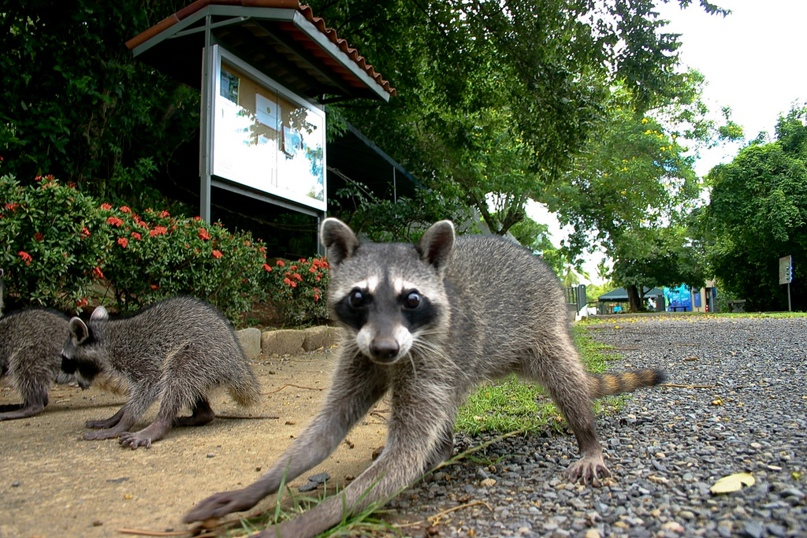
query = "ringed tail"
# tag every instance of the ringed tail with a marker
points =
(600, 385)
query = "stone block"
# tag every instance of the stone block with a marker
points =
(320, 337)
(250, 340)
(282, 342)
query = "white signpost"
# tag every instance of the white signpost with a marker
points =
(786, 275)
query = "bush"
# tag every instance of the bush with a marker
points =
(64, 250)
(157, 256)
(52, 243)
(297, 289)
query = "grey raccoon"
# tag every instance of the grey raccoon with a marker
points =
(177, 351)
(427, 323)
(30, 342)
(30, 346)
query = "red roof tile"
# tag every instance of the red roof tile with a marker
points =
(303, 9)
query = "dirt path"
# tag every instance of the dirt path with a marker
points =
(53, 483)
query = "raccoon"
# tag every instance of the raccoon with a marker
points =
(30, 342)
(428, 322)
(177, 351)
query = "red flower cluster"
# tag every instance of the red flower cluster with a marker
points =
(217, 254)
(122, 241)
(115, 221)
(25, 257)
(158, 230)
(204, 235)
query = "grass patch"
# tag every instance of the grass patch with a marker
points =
(512, 404)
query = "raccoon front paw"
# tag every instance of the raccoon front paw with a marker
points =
(588, 470)
(220, 504)
(101, 434)
(133, 440)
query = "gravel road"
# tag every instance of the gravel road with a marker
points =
(736, 403)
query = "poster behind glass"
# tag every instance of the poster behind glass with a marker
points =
(266, 141)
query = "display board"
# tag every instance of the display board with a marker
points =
(265, 137)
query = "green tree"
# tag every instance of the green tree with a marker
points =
(496, 99)
(630, 191)
(758, 213)
(74, 102)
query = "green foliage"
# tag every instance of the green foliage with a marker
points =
(156, 256)
(63, 249)
(403, 220)
(52, 243)
(758, 213)
(298, 288)
(631, 192)
(75, 102)
(495, 101)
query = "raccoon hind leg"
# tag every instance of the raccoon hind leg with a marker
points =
(201, 415)
(559, 369)
(32, 378)
(32, 406)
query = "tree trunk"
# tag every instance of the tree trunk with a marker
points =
(634, 300)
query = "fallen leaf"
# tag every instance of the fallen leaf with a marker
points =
(732, 482)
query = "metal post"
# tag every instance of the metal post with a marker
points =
(789, 309)
(206, 128)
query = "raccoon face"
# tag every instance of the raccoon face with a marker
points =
(80, 354)
(387, 317)
(391, 295)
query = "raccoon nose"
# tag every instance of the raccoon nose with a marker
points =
(384, 348)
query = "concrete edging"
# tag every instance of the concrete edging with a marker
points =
(286, 341)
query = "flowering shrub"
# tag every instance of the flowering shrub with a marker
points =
(51, 246)
(65, 250)
(297, 288)
(155, 255)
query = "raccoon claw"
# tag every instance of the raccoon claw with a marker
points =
(220, 504)
(588, 470)
(133, 441)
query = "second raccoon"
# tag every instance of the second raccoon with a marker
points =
(177, 351)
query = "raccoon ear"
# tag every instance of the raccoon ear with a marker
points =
(338, 239)
(437, 243)
(99, 314)
(78, 331)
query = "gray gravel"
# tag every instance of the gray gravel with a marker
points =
(739, 406)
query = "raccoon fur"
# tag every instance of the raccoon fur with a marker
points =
(175, 351)
(30, 346)
(427, 323)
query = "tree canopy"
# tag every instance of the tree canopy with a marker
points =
(758, 213)
(498, 102)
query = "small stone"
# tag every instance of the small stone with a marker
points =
(488, 482)
(752, 529)
(673, 526)
(592, 533)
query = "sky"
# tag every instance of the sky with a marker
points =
(754, 61)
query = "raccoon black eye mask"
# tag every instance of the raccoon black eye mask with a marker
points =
(427, 323)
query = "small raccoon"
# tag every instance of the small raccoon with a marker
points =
(30, 343)
(177, 351)
(427, 323)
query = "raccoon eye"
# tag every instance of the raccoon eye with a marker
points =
(412, 300)
(356, 298)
